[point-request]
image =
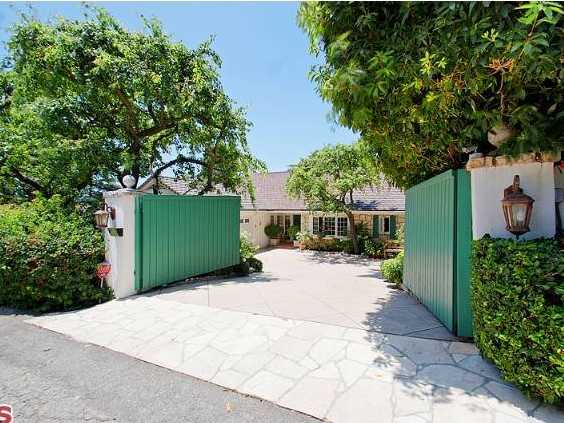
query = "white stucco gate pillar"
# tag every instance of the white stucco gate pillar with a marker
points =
(491, 175)
(120, 248)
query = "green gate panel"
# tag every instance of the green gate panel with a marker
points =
(438, 239)
(178, 237)
(429, 247)
(463, 253)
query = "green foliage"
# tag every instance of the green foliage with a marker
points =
(249, 263)
(392, 269)
(329, 177)
(400, 234)
(83, 102)
(272, 231)
(293, 232)
(319, 243)
(303, 236)
(518, 304)
(255, 264)
(420, 81)
(246, 248)
(48, 258)
(374, 248)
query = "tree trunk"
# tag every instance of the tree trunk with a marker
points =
(354, 236)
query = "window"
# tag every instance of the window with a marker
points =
(329, 226)
(384, 224)
(342, 226)
(326, 225)
(317, 222)
(245, 220)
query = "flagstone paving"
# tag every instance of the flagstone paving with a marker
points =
(331, 372)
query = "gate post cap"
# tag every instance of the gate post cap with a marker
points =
(129, 181)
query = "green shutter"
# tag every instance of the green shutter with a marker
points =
(375, 226)
(392, 227)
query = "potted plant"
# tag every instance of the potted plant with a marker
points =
(292, 233)
(273, 231)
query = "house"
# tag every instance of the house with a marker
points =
(381, 210)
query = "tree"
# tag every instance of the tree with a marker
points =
(85, 102)
(423, 81)
(328, 178)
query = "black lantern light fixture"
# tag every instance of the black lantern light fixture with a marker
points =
(102, 216)
(517, 208)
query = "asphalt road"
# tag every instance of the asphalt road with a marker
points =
(47, 377)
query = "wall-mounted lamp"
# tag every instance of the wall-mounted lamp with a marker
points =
(102, 216)
(517, 208)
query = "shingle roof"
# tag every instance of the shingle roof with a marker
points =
(270, 194)
(176, 185)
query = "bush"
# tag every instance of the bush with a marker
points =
(319, 243)
(272, 231)
(373, 248)
(392, 269)
(255, 264)
(246, 248)
(248, 262)
(347, 246)
(518, 305)
(293, 232)
(48, 258)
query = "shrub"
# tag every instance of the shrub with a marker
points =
(392, 269)
(374, 248)
(320, 243)
(255, 264)
(293, 232)
(518, 305)
(303, 236)
(272, 231)
(347, 246)
(248, 262)
(246, 248)
(48, 258)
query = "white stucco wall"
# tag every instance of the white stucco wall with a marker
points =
(120, 250)
(255, 228)
(488, 183)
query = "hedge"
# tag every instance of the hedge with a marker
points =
(48, 258)
(392, 269)
(518, 305)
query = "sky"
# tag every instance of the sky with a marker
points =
(265, 65)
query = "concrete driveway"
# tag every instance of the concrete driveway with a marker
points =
(329, 288)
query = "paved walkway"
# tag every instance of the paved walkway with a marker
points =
(48, 378)
(338, 373)
(328, 288)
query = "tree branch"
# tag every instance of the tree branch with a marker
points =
(178, 160)
(27, 180)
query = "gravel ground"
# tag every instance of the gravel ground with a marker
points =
(47, 377)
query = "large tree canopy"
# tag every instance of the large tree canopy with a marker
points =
(421, 81)
(328, 178)
(84, 102)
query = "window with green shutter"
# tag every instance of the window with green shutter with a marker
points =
(375, 226)
(392, 227)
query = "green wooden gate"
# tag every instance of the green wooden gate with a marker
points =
(177, 237)
(437, 249)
